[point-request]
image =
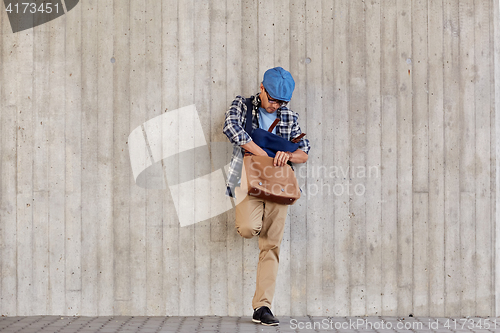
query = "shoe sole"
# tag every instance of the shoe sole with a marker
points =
(275, 324)
(259, 322)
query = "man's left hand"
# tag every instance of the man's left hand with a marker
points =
(281, 158)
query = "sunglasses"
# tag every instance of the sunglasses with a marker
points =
(275, 101)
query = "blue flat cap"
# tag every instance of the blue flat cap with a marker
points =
(279, 83)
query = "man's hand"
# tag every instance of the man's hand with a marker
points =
(281, 158)
(297, 157)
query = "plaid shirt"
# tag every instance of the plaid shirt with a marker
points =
(288, 128)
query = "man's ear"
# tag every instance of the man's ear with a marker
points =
(261, 87)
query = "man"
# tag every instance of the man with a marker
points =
(255, 216)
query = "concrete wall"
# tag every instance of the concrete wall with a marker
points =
(407, 91)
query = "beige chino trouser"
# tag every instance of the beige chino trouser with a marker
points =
(255, 216)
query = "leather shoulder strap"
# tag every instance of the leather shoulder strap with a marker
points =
(273, 125)
(297, 139)
(248, 124)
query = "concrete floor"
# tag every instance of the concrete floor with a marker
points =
(55, 324)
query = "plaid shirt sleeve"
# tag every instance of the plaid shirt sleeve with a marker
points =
(296, 131)
(233, 125)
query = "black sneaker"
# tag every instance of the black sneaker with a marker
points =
(264, 316)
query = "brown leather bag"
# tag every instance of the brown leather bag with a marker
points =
(260, 178)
